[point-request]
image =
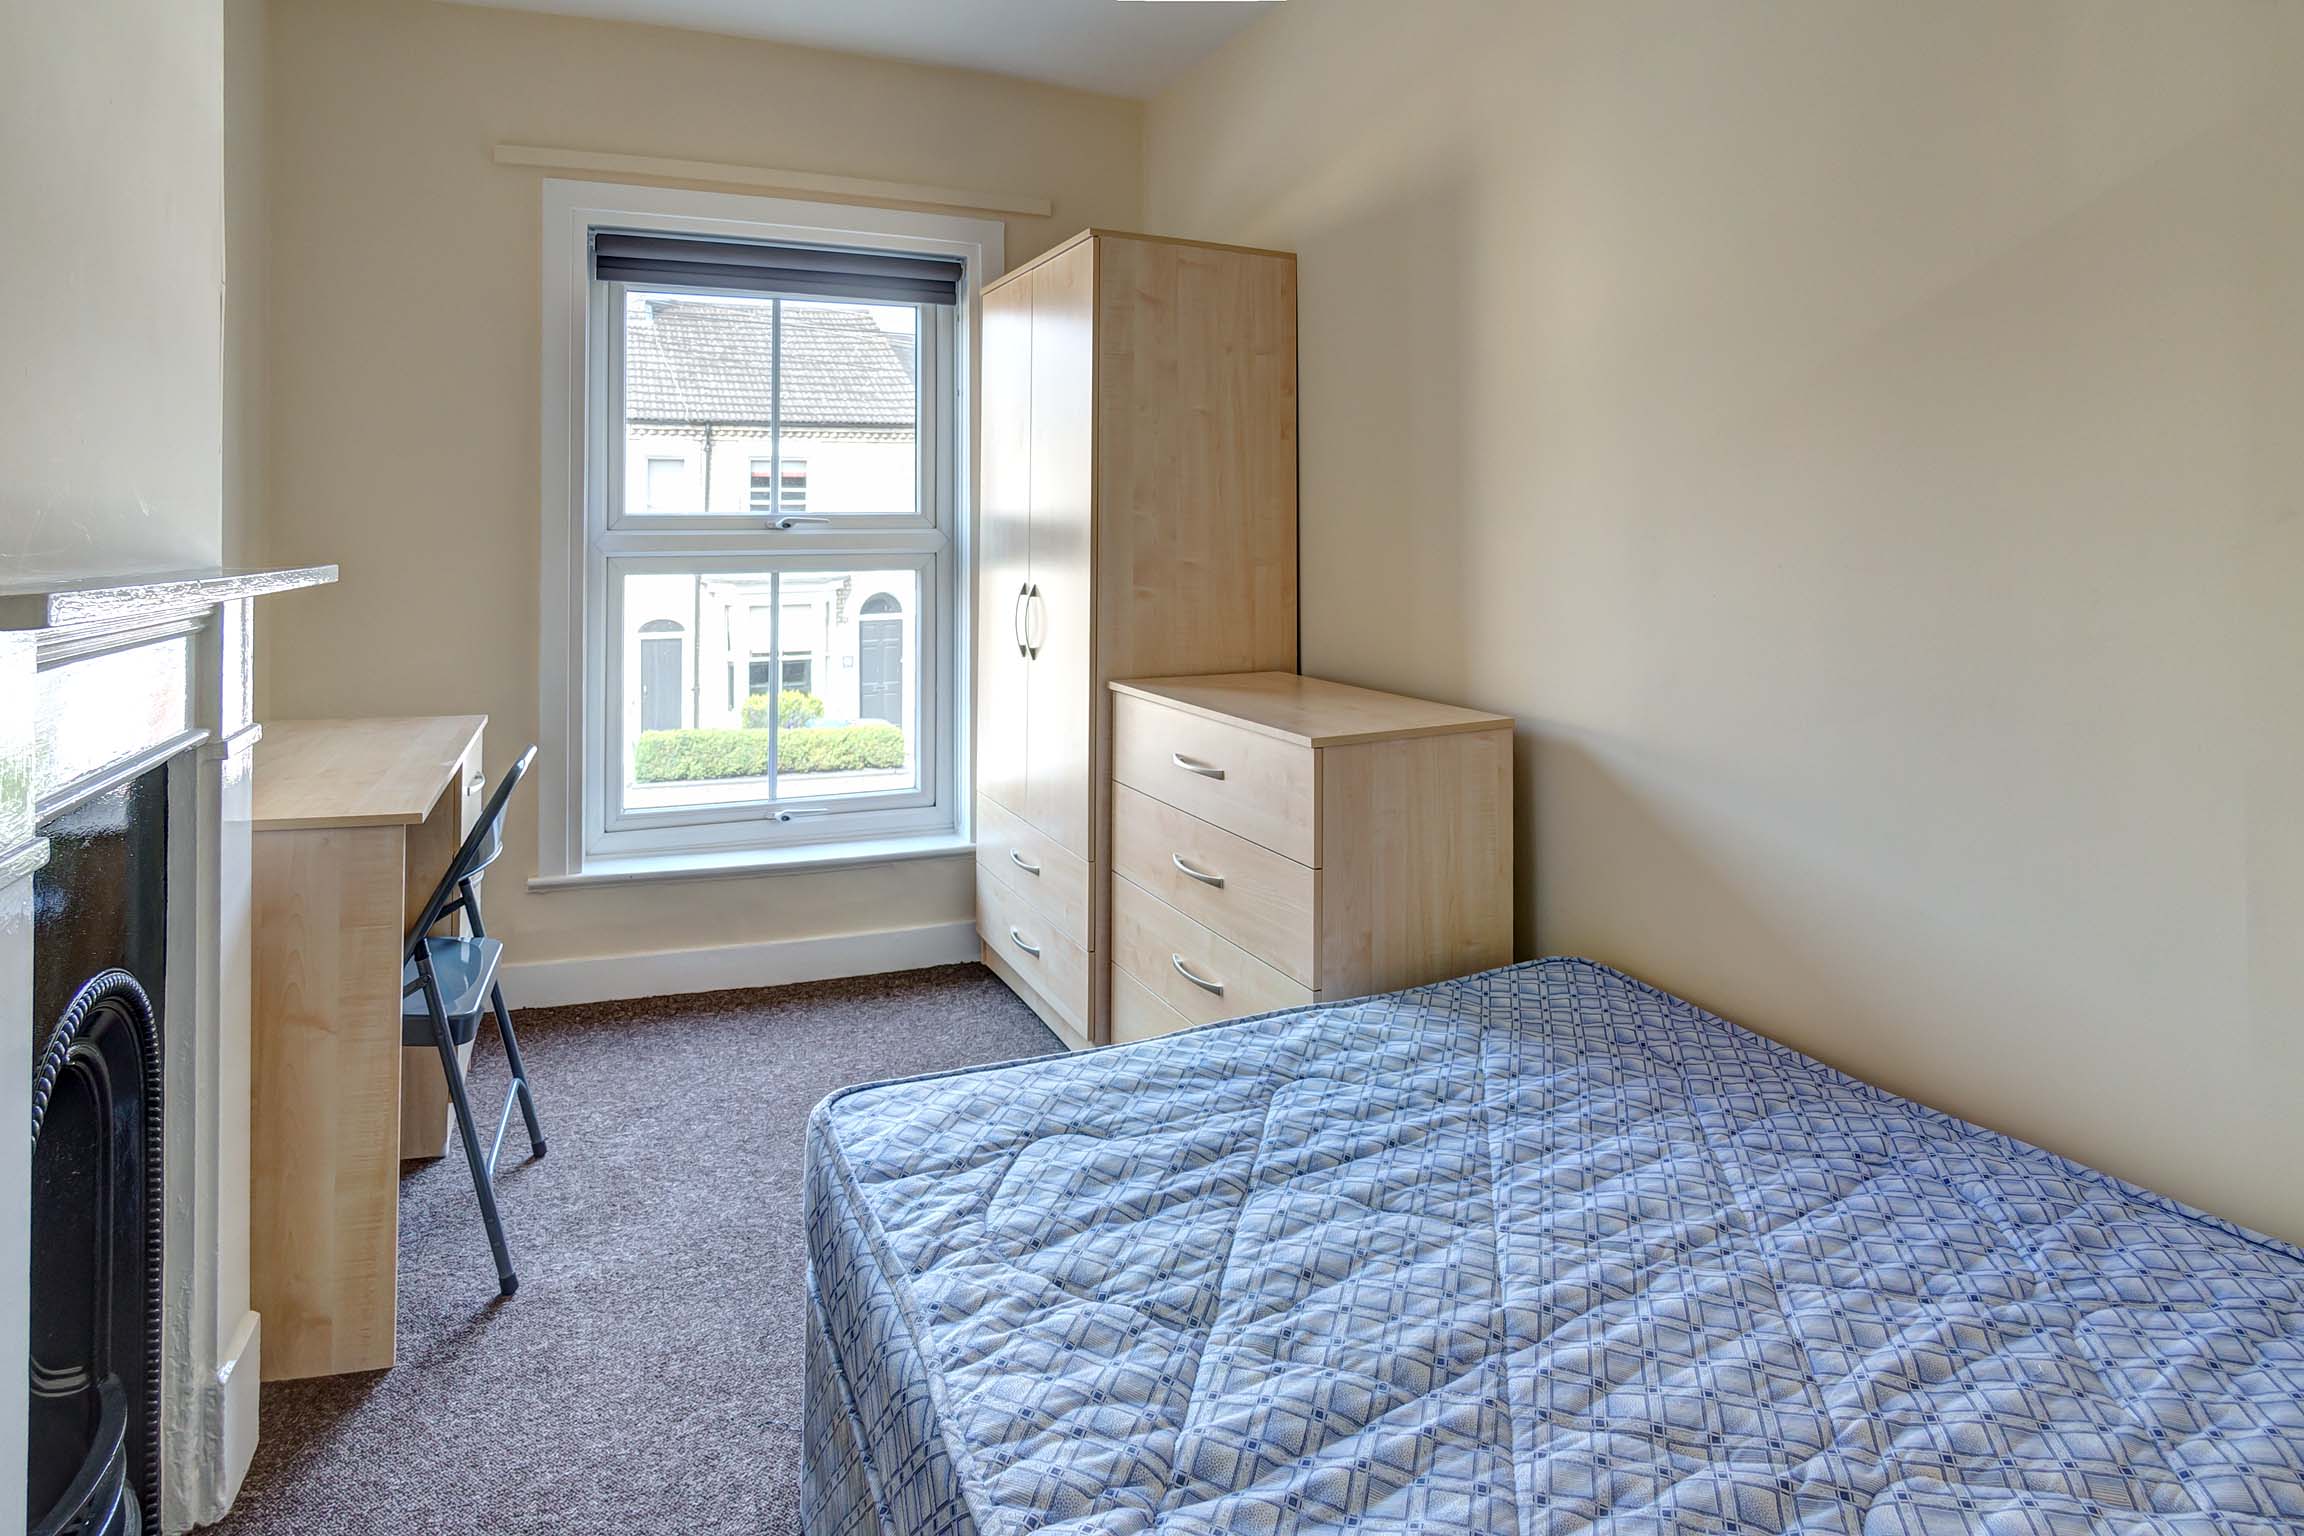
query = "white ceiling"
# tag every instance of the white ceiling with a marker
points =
(1125, 47)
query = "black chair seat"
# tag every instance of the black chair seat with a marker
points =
(465, 969)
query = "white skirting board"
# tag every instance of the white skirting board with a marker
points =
(603, 978)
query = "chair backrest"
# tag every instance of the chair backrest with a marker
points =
(481, 846)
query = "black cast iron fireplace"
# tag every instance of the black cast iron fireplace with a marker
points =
(98, 957)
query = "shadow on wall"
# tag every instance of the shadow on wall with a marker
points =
(1382, 315)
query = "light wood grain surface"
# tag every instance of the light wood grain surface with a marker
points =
(1416, 878)
(1139, 408)
(1004, 547)
(1058, 973)
(1137, 1014)
(1050, 878)
(358, 773)
(1363, 844)
(1060, 790)
(1150, 938)
(1307, 711)
(324, 1097)
(1266, 789)
(1262, 901)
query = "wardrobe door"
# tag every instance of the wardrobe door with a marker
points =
(1059, 791)
(1003, 547)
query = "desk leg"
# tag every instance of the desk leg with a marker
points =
(325, 1098)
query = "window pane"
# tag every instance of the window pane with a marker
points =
(707, 658)
(701, 386)
(851, 408)
(851, 683)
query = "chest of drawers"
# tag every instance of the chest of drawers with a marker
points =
(1279, 840)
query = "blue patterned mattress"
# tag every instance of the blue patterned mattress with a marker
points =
(1540, 1250)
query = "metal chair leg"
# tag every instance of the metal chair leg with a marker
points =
(519, 1070)
(506, 1281)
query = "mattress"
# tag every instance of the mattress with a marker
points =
(1539, 1250)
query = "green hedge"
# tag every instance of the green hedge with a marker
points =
(676, 757)
(793, 708)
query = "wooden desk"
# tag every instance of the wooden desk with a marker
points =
(355, 821)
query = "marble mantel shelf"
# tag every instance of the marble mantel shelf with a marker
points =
(129, 599)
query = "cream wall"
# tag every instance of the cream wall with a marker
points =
(404, 351)
(246, 230)
(112, 237)
(1861, 443)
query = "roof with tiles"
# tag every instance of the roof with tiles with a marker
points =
(696, 361)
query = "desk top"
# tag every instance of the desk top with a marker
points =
(357, 773)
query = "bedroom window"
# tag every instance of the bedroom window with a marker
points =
(768, 436)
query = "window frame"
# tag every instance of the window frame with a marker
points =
(587, 547)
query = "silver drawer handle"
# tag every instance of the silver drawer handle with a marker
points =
(1194, 765)
(1024, 944)
(1022, 863)
(1200, 875)
(1194, 977)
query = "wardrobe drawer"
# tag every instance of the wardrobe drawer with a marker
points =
(1202, 975)
(1056, 967)
(1137, 1014)
(1258, 899)
(1050, 877)
(1242, 781)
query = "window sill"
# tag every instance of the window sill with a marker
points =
(736, 864)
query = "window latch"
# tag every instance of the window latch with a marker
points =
(794, 519)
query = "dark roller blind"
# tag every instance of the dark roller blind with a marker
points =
(878, 277)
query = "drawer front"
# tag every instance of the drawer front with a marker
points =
(1258, 899)
(1158, 945)
(1137, 1014)
(1051, 878)
(1056, 967)
(1253, 785)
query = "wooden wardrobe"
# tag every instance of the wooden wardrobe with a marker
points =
(1137, 518)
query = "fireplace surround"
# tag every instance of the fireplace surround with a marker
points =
(127, 744)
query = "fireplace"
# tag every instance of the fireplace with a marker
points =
(127, 754)
(99, 953)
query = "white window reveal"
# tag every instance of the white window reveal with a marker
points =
(765, 611)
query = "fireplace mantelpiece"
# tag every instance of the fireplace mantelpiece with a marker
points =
(100, 681)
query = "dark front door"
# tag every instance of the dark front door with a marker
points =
(660, 684)
(880, 666)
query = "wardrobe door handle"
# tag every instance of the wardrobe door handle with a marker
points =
(1023, 943)
(1194, 977)
(1019, 861)
(1016, 620)
(1033, 595)
(1194, 765)
(1200, 875)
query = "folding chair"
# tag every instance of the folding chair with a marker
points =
(448, 982)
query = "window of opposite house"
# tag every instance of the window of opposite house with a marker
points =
(765, 477)
(831, 630)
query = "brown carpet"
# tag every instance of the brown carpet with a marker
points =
(647, 1377)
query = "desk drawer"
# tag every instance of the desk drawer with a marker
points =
(1056, 967)
(1244, 892)
(1261, 788)
(1202, 975)
(1051, 878)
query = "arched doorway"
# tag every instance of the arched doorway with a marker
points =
(880, 659)
(661, 692)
